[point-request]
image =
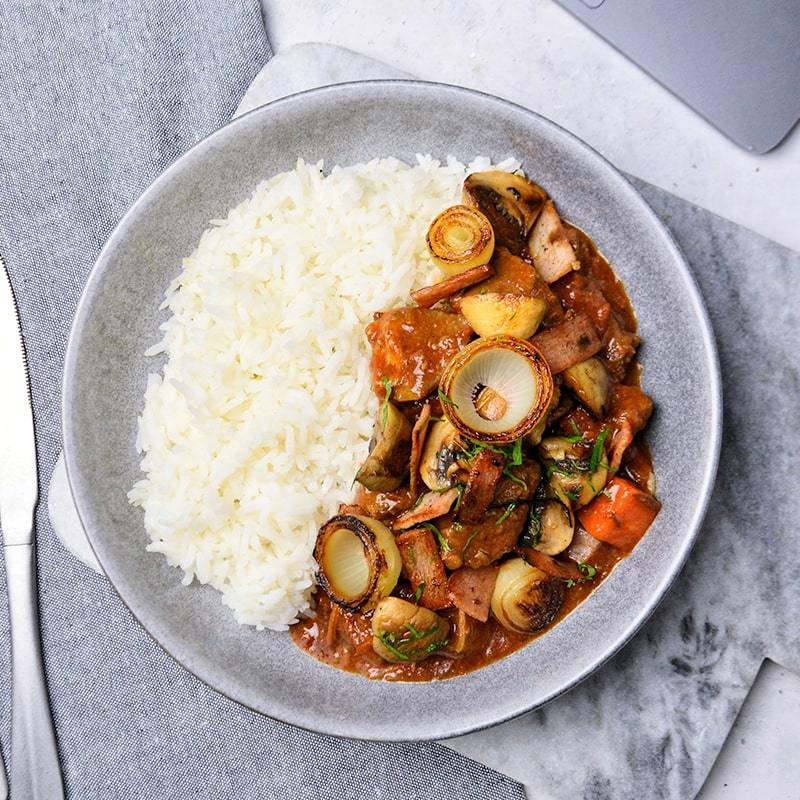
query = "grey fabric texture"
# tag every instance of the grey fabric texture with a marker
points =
(97, 99)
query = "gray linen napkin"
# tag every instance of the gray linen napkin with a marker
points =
(96, 99)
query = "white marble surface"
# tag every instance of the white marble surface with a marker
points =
(534, 53)
(761, 757)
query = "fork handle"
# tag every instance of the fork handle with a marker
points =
(35, 771)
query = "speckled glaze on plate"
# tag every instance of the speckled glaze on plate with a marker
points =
(118, 316)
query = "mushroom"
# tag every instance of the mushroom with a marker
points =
(493, 314)
(358, 559)
(403, 632)
(510, 202)
(496, 390)
(459, 239)
(590, 381)
(464, 632)
(388, 459)
(525, 599)
(438, 465)
(574, 479)
(552, 526)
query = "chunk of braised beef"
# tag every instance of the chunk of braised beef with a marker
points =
(518, 484)
(383, 505)
(480, 543)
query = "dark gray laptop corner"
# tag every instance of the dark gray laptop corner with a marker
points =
(735, 62)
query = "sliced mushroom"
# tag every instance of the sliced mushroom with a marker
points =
(403, 632)
(387, 464)
(463, 634)
(590, 381)
(510, 202)
(556, 527)
(418, 434)
(438, 465)
(576, 487)
(534, 436)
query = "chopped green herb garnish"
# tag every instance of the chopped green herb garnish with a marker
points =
(416, 635)
(598, 451)
(434, 646)
(578, 437)
(572, 496)
(507, 472)
(385, 408)
(418, 593)
(461, 487)
(400, 648)
(607, 494)
(533, 530)
(445, 400)
(568, 466)
(507, 513)
(587, 570)
(387, 639)
(442, 541)
(468, 543)
(516, 453)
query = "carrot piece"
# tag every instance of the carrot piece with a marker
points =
(620, 515)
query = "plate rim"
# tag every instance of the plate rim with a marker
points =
(698, 306)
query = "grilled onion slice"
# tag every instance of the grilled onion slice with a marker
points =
(525, 599)
(359, 562)
(496, 390)
(460, 238)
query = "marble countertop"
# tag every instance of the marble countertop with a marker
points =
(535, 53)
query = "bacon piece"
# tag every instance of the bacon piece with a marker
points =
(548, 564)
(552, 253)
(430, 295)
(484, 473)
(471, 590)
(417, 441)
(422, 566)
(568, 343)
(432, 505)
(345, 508)
(629, 410)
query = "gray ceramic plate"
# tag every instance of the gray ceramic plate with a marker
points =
(118, 317)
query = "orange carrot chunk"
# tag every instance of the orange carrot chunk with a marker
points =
(620, 515)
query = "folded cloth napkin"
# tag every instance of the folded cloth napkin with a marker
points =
(96, 99)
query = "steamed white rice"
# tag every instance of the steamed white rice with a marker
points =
(253, 430)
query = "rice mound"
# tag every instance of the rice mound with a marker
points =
(253, 430)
